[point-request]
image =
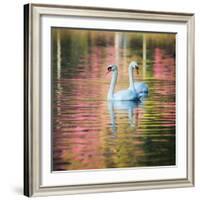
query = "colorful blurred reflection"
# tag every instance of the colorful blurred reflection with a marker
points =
(90, 133)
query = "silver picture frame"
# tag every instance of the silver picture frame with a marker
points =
(32, 98)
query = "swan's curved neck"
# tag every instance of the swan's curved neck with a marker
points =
(131, 77)
(112, 85)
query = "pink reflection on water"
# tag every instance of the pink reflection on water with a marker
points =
(164, 69)
(97, 59)
(164, 66)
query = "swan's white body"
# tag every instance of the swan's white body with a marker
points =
(124, 105)
(140, 87)
(124, 95)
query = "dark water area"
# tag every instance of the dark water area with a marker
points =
(89, 132)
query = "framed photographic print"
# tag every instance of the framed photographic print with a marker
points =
(109, 100)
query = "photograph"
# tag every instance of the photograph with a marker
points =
(113, 99)
(108, 100)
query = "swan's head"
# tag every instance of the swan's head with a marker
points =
(134, 65)
(112, 68)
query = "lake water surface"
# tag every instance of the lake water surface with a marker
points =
(88, 132)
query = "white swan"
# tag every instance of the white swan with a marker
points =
(140, 87)
(128, 95)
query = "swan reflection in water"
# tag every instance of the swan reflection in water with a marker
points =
(124, 107)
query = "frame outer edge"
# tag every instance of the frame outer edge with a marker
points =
(27, 102)
(60, 6)
(35, 99)
(191, 99)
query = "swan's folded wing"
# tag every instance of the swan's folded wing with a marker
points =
(141, 87)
